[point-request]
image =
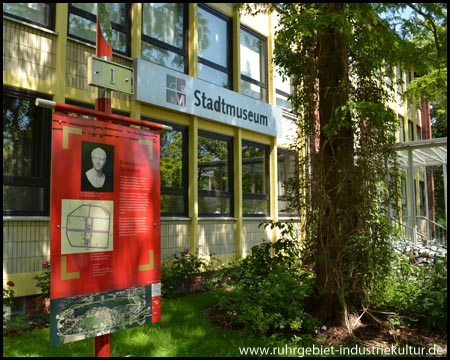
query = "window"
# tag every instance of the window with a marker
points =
(388, 76)
(399, 79)
(422, 199)
(215, 176)
(282, 91)
(83, 24)
(164, 32)
(401, 130)
(404, 192)
(287, 167)
(408, 77)
(174, 170)
(214, 44)
(418, 132)
(410, 131)
(253, 54)
(26, 154)
(41, 14)
(255, 179)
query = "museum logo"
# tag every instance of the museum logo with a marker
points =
(175, 90)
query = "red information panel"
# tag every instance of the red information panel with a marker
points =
(105, 207)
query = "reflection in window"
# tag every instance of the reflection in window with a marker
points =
(399, 79)
(83, 24)
(282, 91)
(41, 14)
(401, 130)
(287, 168)
(255, 179)
(173, 170)
(215, 180)
(404, 192)
(410, 131)
(253, 54)
(214, 47)
(163, 34)
(26, 154)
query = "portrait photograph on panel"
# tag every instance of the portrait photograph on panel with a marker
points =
(97, 167)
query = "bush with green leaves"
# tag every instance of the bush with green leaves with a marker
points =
(431, 304)
(178, 273)
(417, 293)
(270, 295)
(43, 279)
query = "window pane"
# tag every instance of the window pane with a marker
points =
(83, 23)
(120, 40)
(162, 57)
(212, 38)
(82, 28)
(213, 164)
(171, 159)
(254, 207)
(287, 164)
(23, 198)
(117, 13)
(255, 91)
(213, 76)
(282, 101)
(214, 178)
(37, 13)
(164, 22)
(88, 7)
(26, 154)
(252, 57)
(255, 179)
(253, 166)
(21, 129)
(283, 90)
(212, 205)
(172, 204)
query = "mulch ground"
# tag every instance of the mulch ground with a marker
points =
(378, 338)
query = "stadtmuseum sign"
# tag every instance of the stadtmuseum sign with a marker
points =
(167, 88)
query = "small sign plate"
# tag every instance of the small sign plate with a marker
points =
(109, 75)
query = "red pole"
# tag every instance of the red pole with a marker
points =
(102, 343)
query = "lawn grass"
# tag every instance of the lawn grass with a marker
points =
(184, 331)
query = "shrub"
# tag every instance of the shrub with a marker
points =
(43, 280)
(416, 292)
(179, 274)
(270, 294)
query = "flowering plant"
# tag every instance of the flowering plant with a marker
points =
(43, 279)
(8, 294)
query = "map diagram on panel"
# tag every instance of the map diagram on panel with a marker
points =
(86, 226)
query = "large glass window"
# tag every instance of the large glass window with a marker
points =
(255, 179)
(214, 44)
(253, 54)
(173, 169)
(83, 24)
(26, 154)
(164, 30)
(41, 14)
(215, 177)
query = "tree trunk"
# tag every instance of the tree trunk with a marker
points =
(334, 196)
